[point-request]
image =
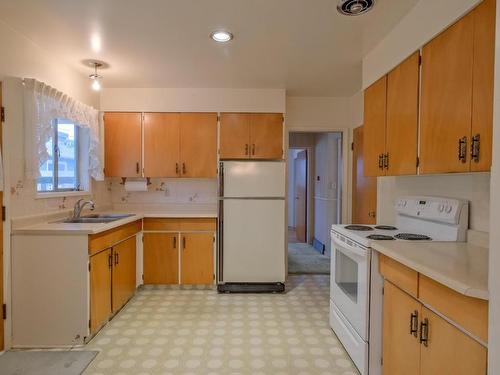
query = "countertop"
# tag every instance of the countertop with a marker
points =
(53, 226)
(460, 266)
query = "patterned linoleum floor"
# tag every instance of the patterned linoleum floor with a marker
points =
(172, 331)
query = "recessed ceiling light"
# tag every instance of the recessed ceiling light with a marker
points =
(354, 7)
(221, 36)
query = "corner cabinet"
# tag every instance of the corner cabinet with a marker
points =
(251, 136)
(418, 340)
(173, 144)
(391, 121)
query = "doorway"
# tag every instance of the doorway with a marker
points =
(314, 199)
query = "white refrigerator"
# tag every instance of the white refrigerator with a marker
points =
(251, 238)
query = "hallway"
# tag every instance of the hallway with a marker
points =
(305, 259)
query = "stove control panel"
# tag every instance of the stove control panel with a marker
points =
(447, 210)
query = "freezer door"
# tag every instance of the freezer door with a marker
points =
(253, 241)
(253, 179)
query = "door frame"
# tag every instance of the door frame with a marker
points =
(309, 197)
(2, 248)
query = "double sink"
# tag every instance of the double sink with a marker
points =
(97, 218)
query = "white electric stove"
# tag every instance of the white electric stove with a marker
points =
(356, 285)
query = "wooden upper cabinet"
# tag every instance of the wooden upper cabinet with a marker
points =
(375, 127)
(198, 145)
(234, 135)
(482, 85)
(251, 136)
(266, 136)
(122, 143)
(161, 144)
(446, 110)
(401, 348)
(448, 350)
(402, 117)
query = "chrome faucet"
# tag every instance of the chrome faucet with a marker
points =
(77, 210)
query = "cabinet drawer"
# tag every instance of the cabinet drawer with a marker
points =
(162, 224)
(203, 224)
(400, 275)
(470, 313)
(101, 241)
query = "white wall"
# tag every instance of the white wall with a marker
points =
(494, 274)
(474, 187)
(425, 20)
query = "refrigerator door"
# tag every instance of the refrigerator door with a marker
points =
(253, 243)
(244, 179)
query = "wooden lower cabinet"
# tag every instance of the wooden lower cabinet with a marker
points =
(418, 341)
(197, 258)
(100, 289)
(161, 258)
(123, 272)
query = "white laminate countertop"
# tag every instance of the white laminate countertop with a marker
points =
(54, 226)
(460, 266)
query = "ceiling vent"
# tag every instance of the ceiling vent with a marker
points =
(354, 7)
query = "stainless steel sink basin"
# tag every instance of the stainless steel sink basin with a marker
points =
(97, 218)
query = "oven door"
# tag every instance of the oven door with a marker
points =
(350, 282)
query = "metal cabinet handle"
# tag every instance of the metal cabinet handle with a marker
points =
(176, 168)
(386, 161)
(183, 242)
(475, 147)
(110, 261)
(137, 167)
(414, 323)
(381, 161)
(253, 148)
(424, 332)
(462, 149)
(183, 168)
(175, 242)
(116, 259)
(246, 148)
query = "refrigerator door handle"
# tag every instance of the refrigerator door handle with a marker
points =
(220, 242)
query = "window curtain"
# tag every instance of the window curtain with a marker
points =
(43, 104)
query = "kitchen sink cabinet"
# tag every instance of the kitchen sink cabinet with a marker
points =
(179, 251)
(123, 272)
(122, 144)
(391, 121)
(100, 289)
(251, 136)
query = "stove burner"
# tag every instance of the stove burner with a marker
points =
(380, 237)
(358, 227)
(412, 237)
(385, 227)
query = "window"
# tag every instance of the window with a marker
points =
(61, 171)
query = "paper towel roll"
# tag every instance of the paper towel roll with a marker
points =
(136, 185)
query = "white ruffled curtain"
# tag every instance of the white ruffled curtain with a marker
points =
(43, 104)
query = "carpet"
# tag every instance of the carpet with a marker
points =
(304, 259)
(45, 362)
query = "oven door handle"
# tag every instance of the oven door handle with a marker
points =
(347, 248)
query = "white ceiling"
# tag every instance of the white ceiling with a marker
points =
(304, 46)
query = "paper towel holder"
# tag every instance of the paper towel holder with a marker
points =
(124, 179)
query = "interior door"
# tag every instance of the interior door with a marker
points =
(161, 258)
(100, 289)
(446, 109)
(401, 345)
(449, 351)
(161, 144)
(198, 145)
(300, 182)
(364, 189)
(266, 136)
(402, 117)
(375, 108)
(122, 144)
(482, 86)
(235, 136)
(197, 258)
(123, 272)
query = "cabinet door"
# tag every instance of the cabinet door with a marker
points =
(161, 144)
(123, 272)
(401, 348)
(375, 127)
(402, 117)
(446, 109)
(235, 136)
(197, 258)
(161, 258)
(266, 136)
(482, 88)
(100, 289)
(198, 145)
(449, 351)
(122, 144)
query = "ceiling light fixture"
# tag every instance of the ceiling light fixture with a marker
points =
(354, 7)
(95, 42)
(95, 77)
(221, 36)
